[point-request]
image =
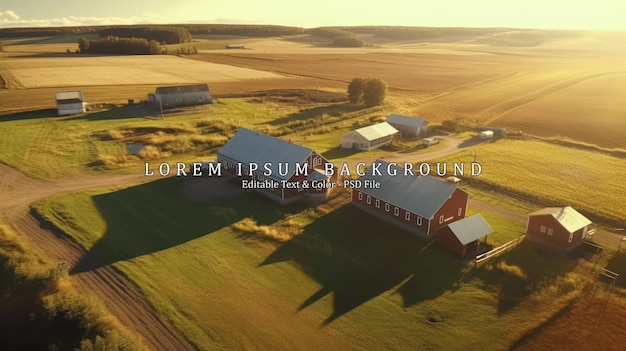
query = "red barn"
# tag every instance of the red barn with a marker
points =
(462, 236)
(562, 228)
(419, 204)
(278, 162)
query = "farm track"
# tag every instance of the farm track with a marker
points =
(122, 298)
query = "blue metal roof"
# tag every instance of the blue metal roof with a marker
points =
(248, 146)
(423, 195)
(406, 120)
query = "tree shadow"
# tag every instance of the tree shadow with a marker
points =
(520, 272)
(359, 257)
(335, 110)
(33, 114)
(155, 216)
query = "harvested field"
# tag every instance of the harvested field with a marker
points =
(592, 111)
(421, 73)
(118, 70)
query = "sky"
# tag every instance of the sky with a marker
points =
(548, 14)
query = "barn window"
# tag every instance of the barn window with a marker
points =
(387, 207)
(550, 231)
(360, 195)
(542, 229)
(396, 211)
(369, 199)
(440, 219)
(419, 220)
(407, 216)
(460, 210)
(377, 203)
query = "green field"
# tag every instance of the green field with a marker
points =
(45, 146)
(328, 281)
(553, 175)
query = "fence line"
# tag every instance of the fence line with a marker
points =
(498, 250)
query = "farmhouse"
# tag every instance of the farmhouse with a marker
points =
(462, 237)
(419, 204)
(70, 102)
(183, 95)
(276, 160)
(561, 228)
(370, 137)
(408, 126)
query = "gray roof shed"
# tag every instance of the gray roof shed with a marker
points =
(406, 120)
(470, 229)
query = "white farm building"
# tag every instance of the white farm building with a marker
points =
(183, 95)
(370, 137)
(407, 125)
(70, 102)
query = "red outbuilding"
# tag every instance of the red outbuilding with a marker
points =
(462, 236)
(419, 204)
(561, 228)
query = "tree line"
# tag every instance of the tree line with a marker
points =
(340, 37)
(116, 45)
(160, 34)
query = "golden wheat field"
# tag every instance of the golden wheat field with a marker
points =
(35, 72)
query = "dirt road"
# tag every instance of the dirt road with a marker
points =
(121, 297)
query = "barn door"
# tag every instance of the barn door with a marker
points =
(584, 232)
(571, 236)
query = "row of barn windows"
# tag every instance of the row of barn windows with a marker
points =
(396, 209)
(546, 230)
(407, 216)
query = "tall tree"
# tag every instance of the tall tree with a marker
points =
(374, 91)
(355, 90)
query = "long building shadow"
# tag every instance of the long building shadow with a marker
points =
(357, 258)
(33, 114)
(156, 216)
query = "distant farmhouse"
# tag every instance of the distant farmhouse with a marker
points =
(561, 228)
(408, 126)
(462, 237)
(182, 95)
(234, 46)
(419, 204)
(250, 147)
(70, 102)
(368, 138)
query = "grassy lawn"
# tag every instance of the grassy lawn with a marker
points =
(46, 146)
(242, 273)
(589, 181)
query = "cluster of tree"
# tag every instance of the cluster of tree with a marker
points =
(160, 34)
(244, 30)
(349, 42)
(115, 45)
(187, 51)
(371, 91)
(340, 37)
